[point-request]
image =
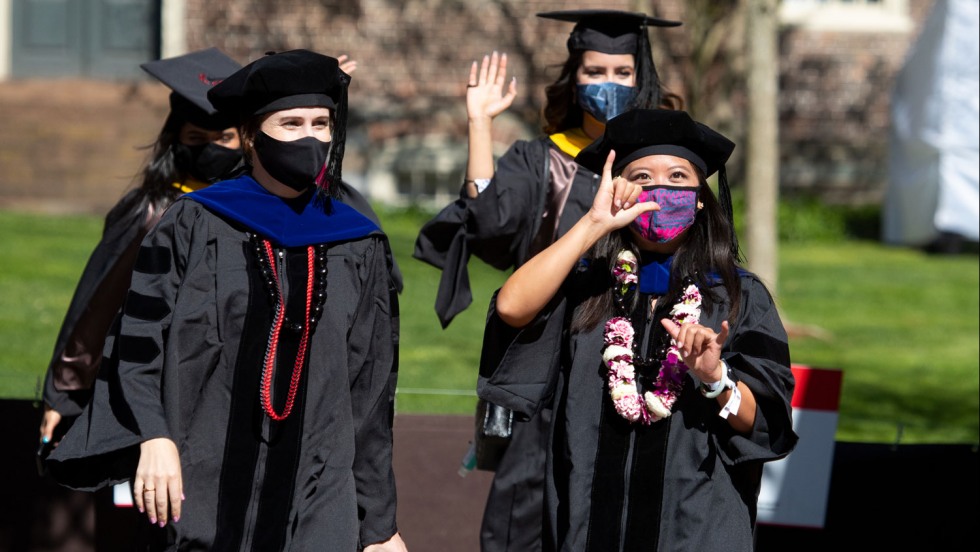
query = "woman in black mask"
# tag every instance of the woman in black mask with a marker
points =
(249, 390)
(196, 146)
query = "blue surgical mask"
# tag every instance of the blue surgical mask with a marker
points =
(605, 100)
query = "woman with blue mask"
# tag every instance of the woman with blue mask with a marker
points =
(535, 193)
(665, 363)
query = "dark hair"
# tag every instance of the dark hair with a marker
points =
(706, 255)
(160, 172)
(561, 112)
(247, 130)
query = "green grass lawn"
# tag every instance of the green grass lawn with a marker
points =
(901, 325)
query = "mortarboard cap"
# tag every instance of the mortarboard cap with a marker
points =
(606, 31)
(276, 81)
(190, 77)
(642, 132)
(286, 80)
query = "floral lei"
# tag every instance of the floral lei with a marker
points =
(618, 352)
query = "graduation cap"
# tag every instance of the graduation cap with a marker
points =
(642, 132)
(607, 31)
(190, 77)
(286, 80)
(277, 81)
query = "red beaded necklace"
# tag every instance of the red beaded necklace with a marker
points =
(269, 365)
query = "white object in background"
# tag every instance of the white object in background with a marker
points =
(122, 495)
(795, 489)
(934, 147)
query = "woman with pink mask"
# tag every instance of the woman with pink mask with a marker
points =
(665, 363)
(508, 213)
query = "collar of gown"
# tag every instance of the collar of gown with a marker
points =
(654, 273)
(296, 222)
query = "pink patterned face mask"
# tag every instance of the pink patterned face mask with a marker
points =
(678, 207)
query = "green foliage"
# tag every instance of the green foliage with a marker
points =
(902, 325)
(807, 219)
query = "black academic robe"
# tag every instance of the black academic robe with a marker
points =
(185, 362)
(686, 483)
(513, 219)
(97, 298)
(101, 290)
(504, 226)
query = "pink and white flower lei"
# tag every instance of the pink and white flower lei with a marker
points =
(617, 353)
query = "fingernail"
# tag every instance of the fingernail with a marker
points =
(142, 511)
(45, 439)
(153, 520)
(176, 519)
(163, 524)
(182, 497)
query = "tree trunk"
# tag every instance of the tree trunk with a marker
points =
(762, 135)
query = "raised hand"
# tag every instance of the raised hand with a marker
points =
(347, 65)
(614, 205)
(485, 96)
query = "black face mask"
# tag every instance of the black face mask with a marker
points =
(206, 162)
(296, 164)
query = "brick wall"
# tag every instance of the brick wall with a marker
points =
(75, 145)
(413, 58)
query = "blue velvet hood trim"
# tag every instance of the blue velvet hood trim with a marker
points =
(305, 220)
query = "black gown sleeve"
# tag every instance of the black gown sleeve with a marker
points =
(97, 297)
(758, 351)
(127, 406)
(496, 226)
(373, 343)
(519, 367)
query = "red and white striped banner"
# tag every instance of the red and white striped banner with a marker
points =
(795, 489)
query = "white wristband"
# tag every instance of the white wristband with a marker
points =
(731, 407)
(712, 390)
(480, 183)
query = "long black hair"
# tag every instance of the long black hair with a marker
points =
(706, 256)
(156, 187)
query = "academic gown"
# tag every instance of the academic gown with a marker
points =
(185, 362)
(100, 292)
(98, 295)
(504, 226)
(685, 483)
(513, 219)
